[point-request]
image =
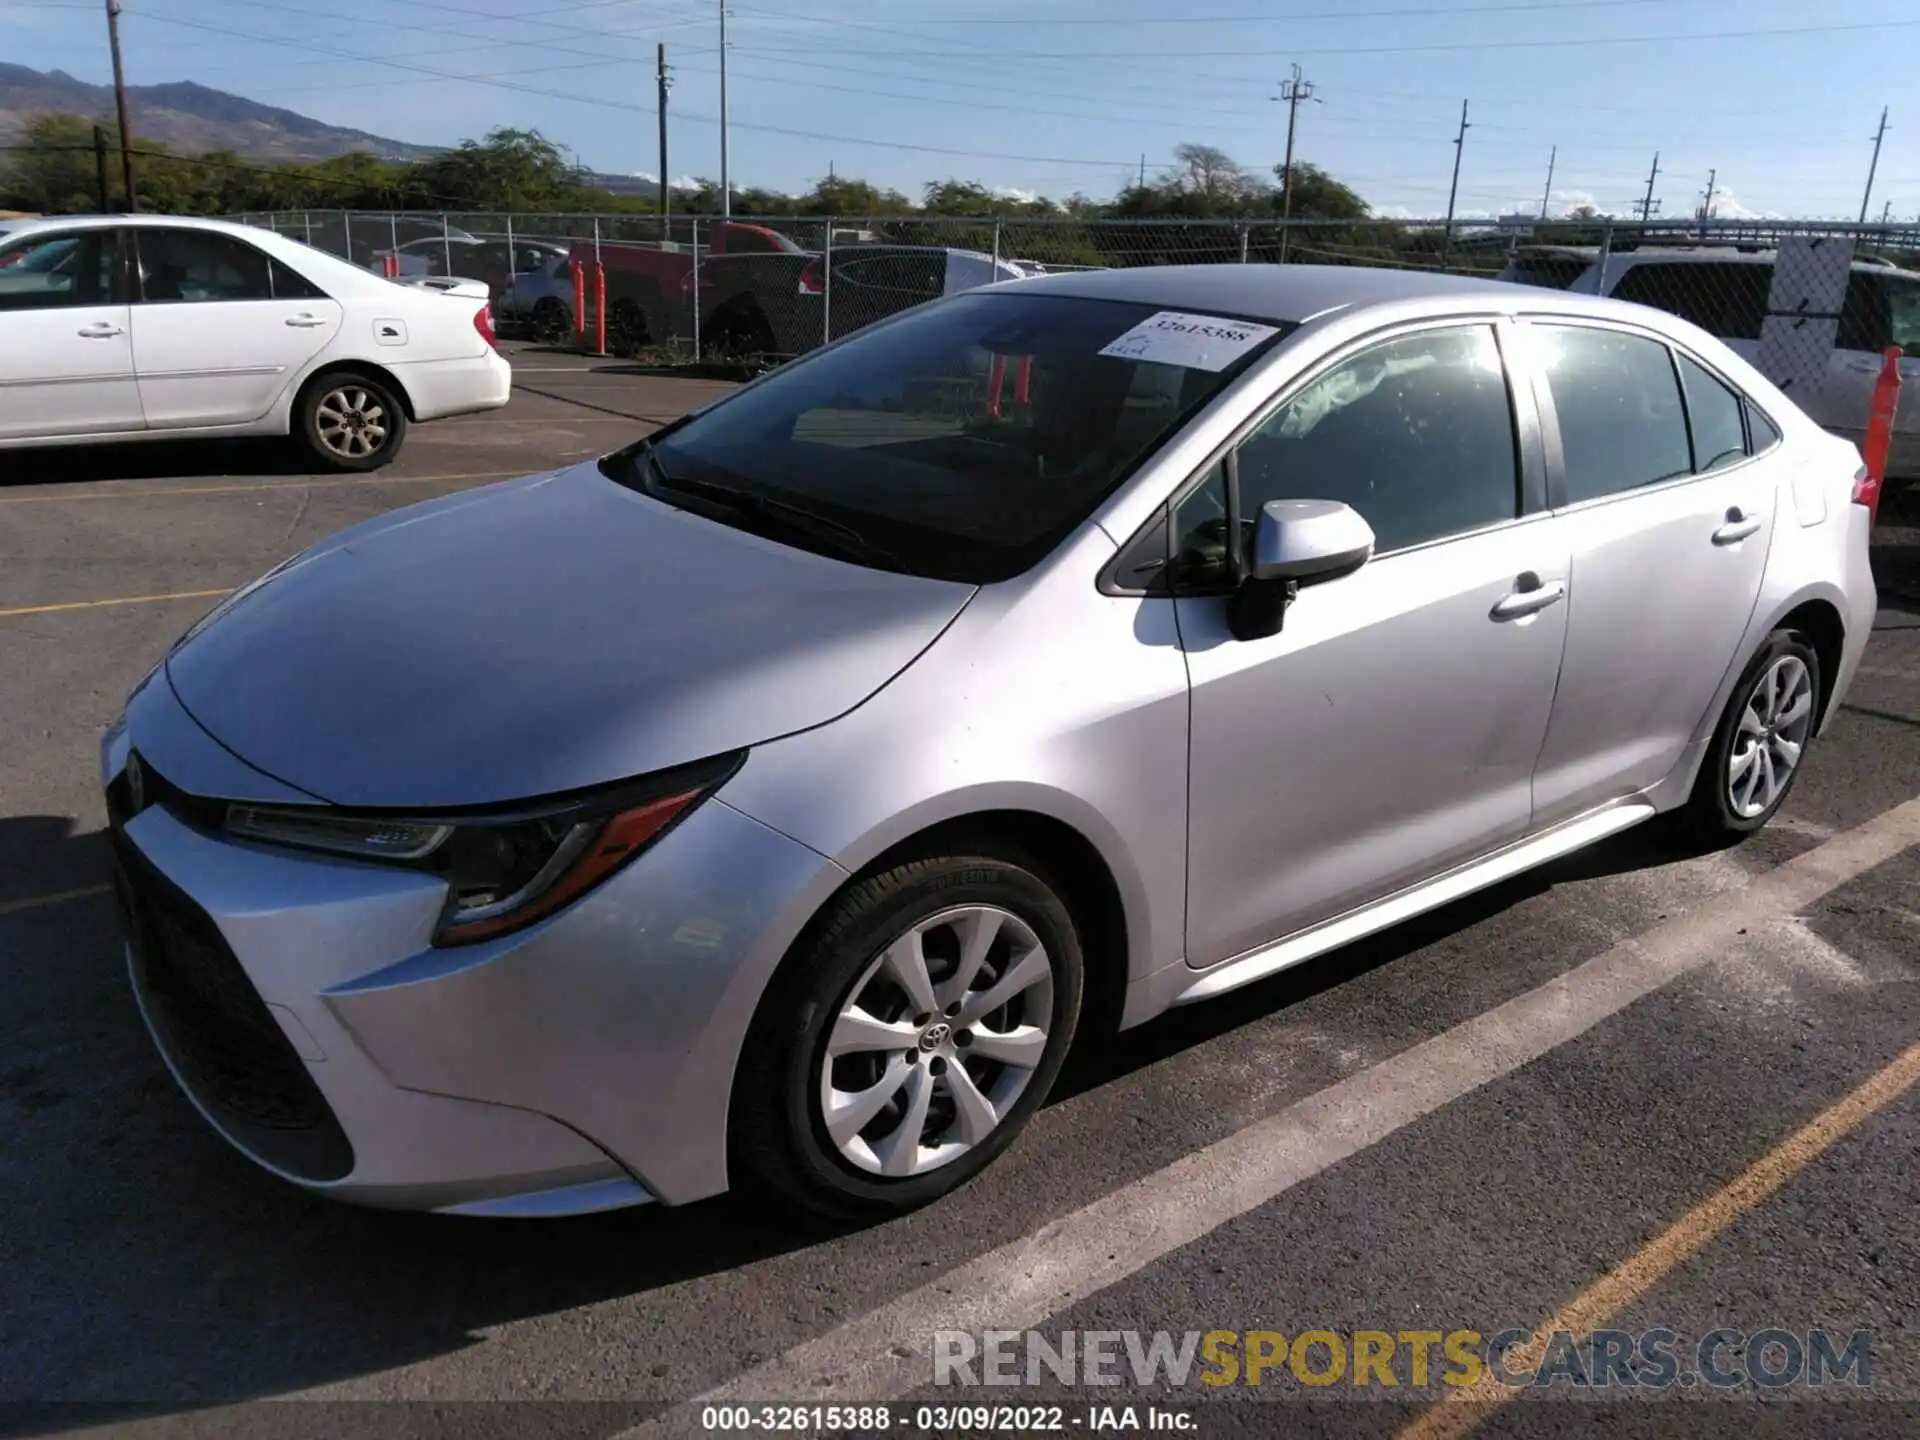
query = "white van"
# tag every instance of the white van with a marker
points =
(1724, 291)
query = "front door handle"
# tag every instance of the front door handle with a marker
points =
(1530, 598)
(1737, 528)
(305, 322)
(99, 331)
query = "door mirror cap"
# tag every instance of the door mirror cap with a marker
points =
(1309, 540)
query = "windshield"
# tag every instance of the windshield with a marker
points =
(962, 441)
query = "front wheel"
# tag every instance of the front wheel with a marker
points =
(908, 1042)
(1760, 742)
(352, 422)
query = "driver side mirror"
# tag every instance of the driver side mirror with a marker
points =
(1295, 543)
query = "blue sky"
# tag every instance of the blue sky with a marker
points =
(1055, 96)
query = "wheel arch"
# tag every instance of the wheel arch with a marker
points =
(1820, 620)
(366, 369)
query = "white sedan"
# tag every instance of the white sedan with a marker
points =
(145, 327)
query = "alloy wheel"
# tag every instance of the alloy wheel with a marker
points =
(1771, 736)
(352, 422)
(936, 1041)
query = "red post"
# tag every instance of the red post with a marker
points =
(390, 265)
(599, 308)
(1886, 403)
(579, 299)
(1023, 380)
(994, 384)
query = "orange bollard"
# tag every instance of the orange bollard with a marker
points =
(579, 300)
(1023, 380)
(994, 384)
(600, 308)
(1886, 403)
(390, 265)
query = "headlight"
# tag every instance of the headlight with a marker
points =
(503, 871)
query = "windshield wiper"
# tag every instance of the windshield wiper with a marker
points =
(766, 513)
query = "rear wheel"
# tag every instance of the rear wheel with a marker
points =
(552, 321)
(352, 422)
(908, 1042)
(1760, 742)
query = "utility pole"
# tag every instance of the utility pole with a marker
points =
(1647, 205)
(100, 169)
(665, 194)
(1453, 190)
(120, 103)
(726, 187)
(1706, 205)
(1878, 136)
(1886, 212)
(1292, 91)
(1143, 169)
(1546, 196)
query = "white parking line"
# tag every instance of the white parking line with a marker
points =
(885, 1354)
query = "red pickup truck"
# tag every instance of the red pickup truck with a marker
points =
(650, 287)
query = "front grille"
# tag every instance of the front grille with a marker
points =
(228, 1050)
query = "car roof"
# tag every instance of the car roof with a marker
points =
(98, 222)
(1284, 293)
(1681, 255)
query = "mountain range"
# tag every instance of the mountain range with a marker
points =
(190, 117)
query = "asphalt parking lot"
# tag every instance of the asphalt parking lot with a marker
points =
(1637, 1090)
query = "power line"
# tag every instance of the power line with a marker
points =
(311, 48)
(1509, 6)
(1474, 45)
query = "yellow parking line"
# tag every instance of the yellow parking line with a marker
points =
(58, 897)
(291, 482)
(128, 600)
(1463, 1410)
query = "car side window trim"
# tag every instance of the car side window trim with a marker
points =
(1556, 480)
(1530, 453)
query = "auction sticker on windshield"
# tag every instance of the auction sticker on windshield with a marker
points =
(1198, 342)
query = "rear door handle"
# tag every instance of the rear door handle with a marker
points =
(1530, 599)
(100, 331)
(305, 322)
(1737, 528)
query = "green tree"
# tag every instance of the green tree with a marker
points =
(1318, 196)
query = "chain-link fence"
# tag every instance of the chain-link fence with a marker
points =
(1794, 293)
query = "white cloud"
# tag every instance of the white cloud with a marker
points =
(1727, 206)
(1016, 194)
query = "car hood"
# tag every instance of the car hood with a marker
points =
(544, 635)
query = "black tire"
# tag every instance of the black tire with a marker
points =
(327, 411)
(1711, 816)
(627, 328)
(552, 321)
(739, 330)
(779, 1135)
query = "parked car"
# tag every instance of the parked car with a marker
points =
(1235, 613)
(1724, 291)
(761, 293)
(538, 298)
(154, 327)
(784, 305)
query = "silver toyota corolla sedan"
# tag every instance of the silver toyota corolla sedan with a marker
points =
(777, 798)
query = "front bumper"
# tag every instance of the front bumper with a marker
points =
(579, 1065)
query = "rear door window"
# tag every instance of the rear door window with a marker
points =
(1727, 299)
(1617, 399)
(1865, 323)
(1714, 418)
